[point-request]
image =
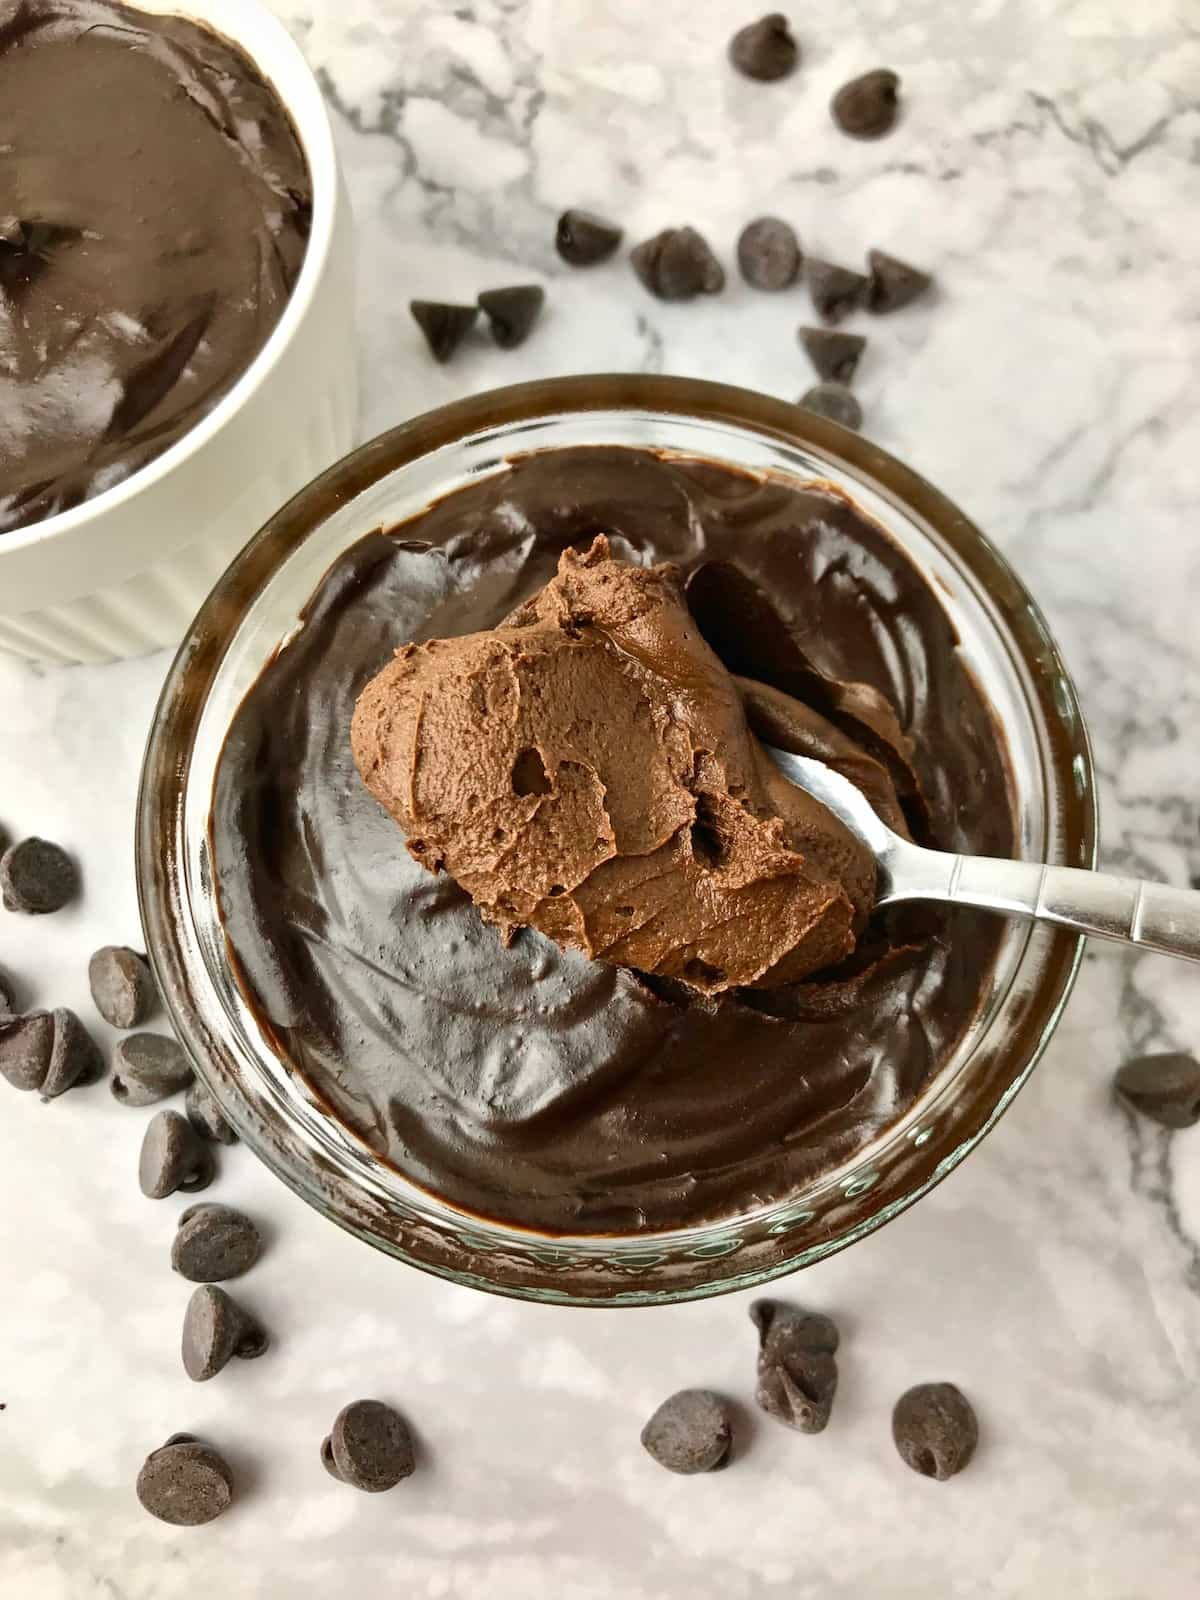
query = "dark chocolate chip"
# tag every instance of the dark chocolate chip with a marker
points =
(836, 291)
(935, 1429)
(37, 877)
(185, 1482)
(512, 312)
(148, 1067)
(122, 986)
(768, 253)
(206, 1115)
(75, 1058)
(444, 326)
(797, 1366)
(369, 1447)
(8, 995)
(1165, 1088)
(173, 1157)
(893, 283)
(25, 1047)
(690, 1432)
(583, 238)
(835, 401)
(834, 355)
(867, 107)
(215, 1330)
(678, 264)
(765, 49)
(214, 1243)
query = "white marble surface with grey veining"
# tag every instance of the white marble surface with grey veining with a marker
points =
(1048, 167)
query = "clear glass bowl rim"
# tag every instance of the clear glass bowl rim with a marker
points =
(713, 1258)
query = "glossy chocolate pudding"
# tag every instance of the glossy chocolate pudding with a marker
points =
(154, 211)
(522, 1080)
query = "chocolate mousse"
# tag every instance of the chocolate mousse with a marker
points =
(586, 769)
(154, 212)
(582, 1076)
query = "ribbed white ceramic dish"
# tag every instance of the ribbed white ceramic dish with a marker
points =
(125, 573)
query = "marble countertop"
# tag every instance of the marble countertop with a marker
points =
(1048, 167)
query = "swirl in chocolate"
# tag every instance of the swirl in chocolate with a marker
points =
(527, 1081)
(154, 213)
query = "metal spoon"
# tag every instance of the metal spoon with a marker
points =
(1127, 910)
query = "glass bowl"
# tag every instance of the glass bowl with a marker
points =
(249, 616)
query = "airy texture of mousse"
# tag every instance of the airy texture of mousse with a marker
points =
(527, 1081)
(586, 769)
(154, 212)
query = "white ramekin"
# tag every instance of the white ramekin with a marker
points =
(124, 573)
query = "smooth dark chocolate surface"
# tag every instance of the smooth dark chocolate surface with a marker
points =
(528, 1083)
(154, 211)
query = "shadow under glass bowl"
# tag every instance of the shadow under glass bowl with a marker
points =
(254, 608)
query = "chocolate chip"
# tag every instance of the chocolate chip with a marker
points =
(148, 1067)
(678, 264)
(512, 312)
(173, 1157)
(215, 1330)
(444, 326)
(765, 50)
(25, 1046)
(206, 1115)
(935, 1429)
(214, 1243)
(8, 995)
(1165, 1088)
(122, 986)
(797, 1369)
(833, 400)
(369, 1447)
(893, 283)
(582, 238)
(690, 1432)
(836, 291)
(75, 1058)
(185, 1482)
(834, 355)
(867, 107)
(768, 253)
(37, 877)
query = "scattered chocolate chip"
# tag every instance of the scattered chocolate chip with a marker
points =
(690, 1432)
(214, 1243)
(677, 264)
(835, 401)
(37, 877)
(867, 107)
(444, 326)
(834, 355)
(174, 1156)
(185, 1482)
(8, 995)
(893, 283)
(765, 50)
(369, 1447)
(797, 1369)
(75, 1058)
(836, 291)
(148, 1067)
(512, 312)
(122, 986)
(25, 1047)
(935, 1429)
(206, 1115)
(768, 253)
(1165, 1088)
(582, 238)
(215, 1330)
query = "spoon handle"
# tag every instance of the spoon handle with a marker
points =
(1152, 916)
